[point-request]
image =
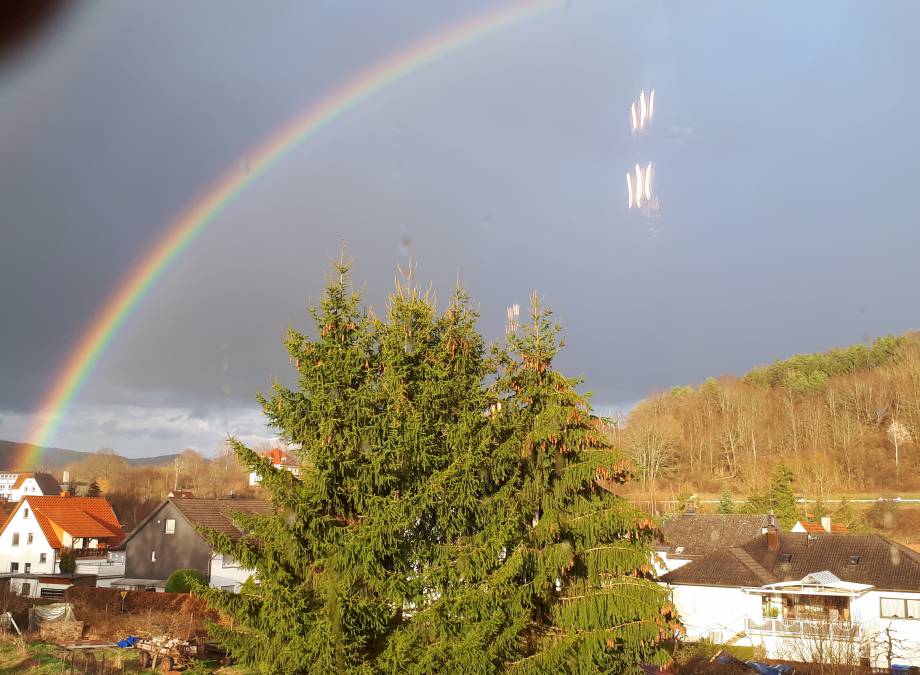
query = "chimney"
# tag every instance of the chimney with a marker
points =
(773, 539)
(826, 523)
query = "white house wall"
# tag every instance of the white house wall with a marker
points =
(225, 577)
(905, 633)
(29, 488)
(25, 552)
(6, 485)
(719, 614)
(713, 612)
(663, 563)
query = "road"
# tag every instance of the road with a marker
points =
(829, 501)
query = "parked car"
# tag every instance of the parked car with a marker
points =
(727, 659)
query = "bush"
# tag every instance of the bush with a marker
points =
(144, 613)
(68, 563)
(181, 581)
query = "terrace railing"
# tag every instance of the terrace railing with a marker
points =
(835, 630)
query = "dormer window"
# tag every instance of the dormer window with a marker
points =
(854, 560)
(785, 557)
(679, 549)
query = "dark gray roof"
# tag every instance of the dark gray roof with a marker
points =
(702, 533)
(47, 484)
(214, 514)
(882, 563)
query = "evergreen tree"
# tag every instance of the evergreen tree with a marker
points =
(68, 563)
(383, 414)
(782, 498)
(558, 576)
(93, 490)
(726, 503)
(441, 524)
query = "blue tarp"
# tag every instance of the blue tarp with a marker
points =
(760, 668)
(127, 642)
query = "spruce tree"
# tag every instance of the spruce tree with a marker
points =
(782, 498)
(455, 513)
(383, 413)
(557, 577)
(726, 503)
(578, 555)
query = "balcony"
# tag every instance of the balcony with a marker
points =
(835, 630)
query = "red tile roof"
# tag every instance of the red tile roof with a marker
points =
(279, 457)
(817, 528)
(80, 517)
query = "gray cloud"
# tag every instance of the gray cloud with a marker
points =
(503, 162)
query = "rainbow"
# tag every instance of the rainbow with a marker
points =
(182, 232)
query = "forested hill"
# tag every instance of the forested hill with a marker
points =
(56, 458)
(842, 420)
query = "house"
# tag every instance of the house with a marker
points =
(280, 460)
(850, 598)
(39, 528)
(169, 539)
(691, 536)
(817, 528)
(15, 485)
(184, 494)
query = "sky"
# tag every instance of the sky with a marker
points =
(785, 155)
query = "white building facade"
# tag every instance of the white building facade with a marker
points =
(23, 545)
(866, 611)
(227, 574)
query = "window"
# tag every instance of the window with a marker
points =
(14, 567)
(231, 588)
(854, 560)
(26, 590)
(170, 526)
(29, 538)
(153, 556)
(42, 557)
(28, 567)
(15, 539)
(785, 557)
(913, 609)
(227, 561)
(25, 513)
(894, 608)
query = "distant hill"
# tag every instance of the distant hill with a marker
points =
(844, 420)
(56, 458)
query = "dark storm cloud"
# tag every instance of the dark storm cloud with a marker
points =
(783, 146)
